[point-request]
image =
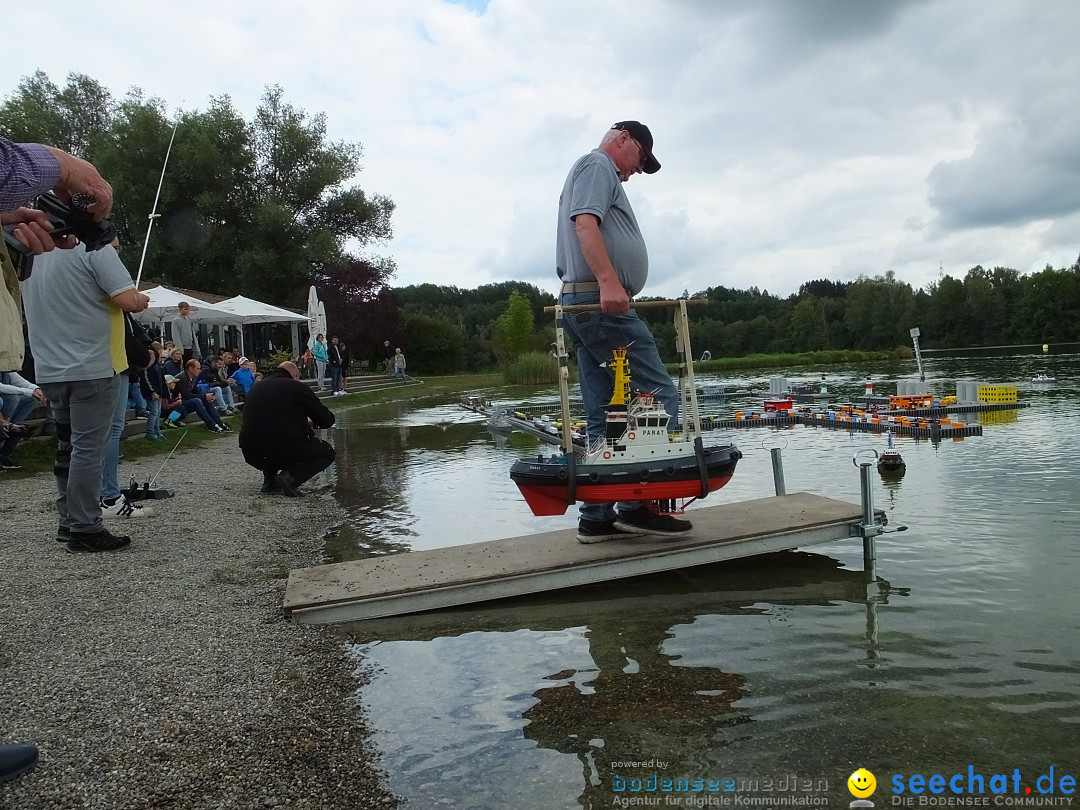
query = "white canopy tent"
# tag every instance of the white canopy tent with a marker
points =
(237, 311)
(248, 310)
(165, 305)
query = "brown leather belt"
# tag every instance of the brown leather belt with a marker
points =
(580, 286)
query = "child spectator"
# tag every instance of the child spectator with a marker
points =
(244, 375)
(156, 392)
(172, 408)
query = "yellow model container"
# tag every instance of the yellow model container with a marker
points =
(997, 393)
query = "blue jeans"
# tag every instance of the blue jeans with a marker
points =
(225, 398)
(595, 336)
(110, 483)
(206, 411)
(335, 378)
(16, 407)
(136, 398)
(153, 418)
(83, 411)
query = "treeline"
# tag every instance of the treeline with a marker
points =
(985, 307)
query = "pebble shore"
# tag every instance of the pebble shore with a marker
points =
(165, 675)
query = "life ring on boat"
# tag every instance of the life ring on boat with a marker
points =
(607, 454)
(562, 475)
(631, 435)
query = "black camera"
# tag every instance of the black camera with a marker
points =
(68, 219)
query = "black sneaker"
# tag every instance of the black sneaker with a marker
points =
(646, 521)
(16, 759)
(63, 534)
(269, 483)
(597, 531)
(103, 540)
(223, 428)
(288, 484)
(8, 464)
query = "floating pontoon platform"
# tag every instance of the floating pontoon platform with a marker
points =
(967, 407)
(925, 430)
(459, 575)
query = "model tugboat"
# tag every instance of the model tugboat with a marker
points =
(636, 459)
(890, 462)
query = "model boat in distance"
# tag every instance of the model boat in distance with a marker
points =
(636, 459)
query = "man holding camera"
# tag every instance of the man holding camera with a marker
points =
(27, 170)
(74, 301)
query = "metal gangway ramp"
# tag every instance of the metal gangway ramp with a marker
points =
(478, 572)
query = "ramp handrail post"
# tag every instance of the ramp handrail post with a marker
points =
(778, 470)
(564, 399)
(691, 417)
(866, 482)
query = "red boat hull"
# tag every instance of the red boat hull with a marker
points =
(554, 500)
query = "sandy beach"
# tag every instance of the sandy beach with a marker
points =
(165, 675)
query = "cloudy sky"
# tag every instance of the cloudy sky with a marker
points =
(800, 139)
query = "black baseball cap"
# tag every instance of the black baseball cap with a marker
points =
(640, 133)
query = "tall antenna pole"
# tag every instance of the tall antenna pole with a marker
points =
(154, 214)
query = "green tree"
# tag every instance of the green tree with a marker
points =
(515, 326)
(434, 344)
(259, 207)
(75, 118)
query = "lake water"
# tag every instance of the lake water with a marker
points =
(776, 676)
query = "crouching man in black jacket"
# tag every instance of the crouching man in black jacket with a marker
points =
(277, 436)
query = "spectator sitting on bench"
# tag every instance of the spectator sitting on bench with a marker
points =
(172, 406)
(202, 403)
(174, 363)
(221, 386)
(18, 398)
(244, 375)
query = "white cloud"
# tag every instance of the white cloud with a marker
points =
(799, 140)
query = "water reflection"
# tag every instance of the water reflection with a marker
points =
(788, 663)
(600, 676)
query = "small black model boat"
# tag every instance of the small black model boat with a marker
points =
(890, 461)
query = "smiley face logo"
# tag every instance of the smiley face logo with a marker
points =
(861, 783)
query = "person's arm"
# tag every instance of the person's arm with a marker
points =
(115, 280)
(613, 298)
(12, 390)
(131, 300)
(320, 416)
(77, 176)
(33, 228)
(30, 169)
(26, 170)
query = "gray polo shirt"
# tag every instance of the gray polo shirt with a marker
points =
(76, 329)
(593, 187)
